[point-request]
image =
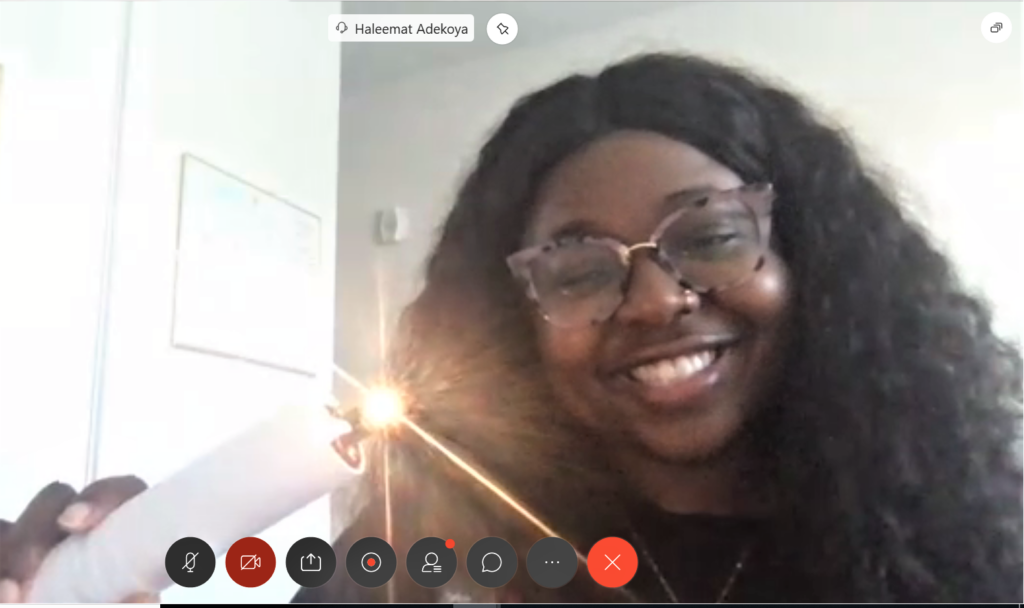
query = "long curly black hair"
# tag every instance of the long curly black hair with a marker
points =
(897, 425)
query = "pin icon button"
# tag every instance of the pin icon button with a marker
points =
(502, 28)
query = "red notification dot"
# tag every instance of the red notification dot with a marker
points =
(449, 543)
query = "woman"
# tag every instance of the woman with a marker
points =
(671, 305)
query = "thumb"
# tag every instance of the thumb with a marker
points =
(10, 592)
(99, 500)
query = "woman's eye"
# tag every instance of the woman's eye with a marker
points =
(583, 280)
(709, 241)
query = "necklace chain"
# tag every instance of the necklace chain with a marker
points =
(667, 588)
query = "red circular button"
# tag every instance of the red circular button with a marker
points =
(250, 562)
(612, 562)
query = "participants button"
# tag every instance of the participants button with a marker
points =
(432, 561)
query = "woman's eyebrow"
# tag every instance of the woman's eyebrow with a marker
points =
(575, 228)
(688, 195)
(578, 228)
(582, 227)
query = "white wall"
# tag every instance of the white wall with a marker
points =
(57, 119)
(916, 83)
(250, 87)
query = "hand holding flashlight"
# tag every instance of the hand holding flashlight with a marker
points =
(297, 454)
(55, 512)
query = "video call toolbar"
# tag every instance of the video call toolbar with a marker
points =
(431, 562)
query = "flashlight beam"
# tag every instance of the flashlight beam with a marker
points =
(382, 334)
(352, 380)
(487, 483)
(389, 536)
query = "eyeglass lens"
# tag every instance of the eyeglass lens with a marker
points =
(708, 244)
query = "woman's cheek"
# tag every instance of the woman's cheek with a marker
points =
(764, 301)
(569, 357)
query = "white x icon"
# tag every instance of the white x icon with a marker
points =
(611, 562)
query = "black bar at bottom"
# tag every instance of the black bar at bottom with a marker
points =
(559, 605)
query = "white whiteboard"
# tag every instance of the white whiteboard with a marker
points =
(247, 272)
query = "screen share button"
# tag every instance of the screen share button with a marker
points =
(311, 562)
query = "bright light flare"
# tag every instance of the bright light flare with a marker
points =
(382, 408)
(487, 483)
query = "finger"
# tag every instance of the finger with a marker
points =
(26, 562)
(98, 500)
(35, 532)
(5, 531)
(10, 592)
(6, 548)
(45, 506)
(142, 598)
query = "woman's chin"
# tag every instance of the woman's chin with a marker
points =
(692, 440)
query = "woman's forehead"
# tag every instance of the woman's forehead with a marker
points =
(618, 185)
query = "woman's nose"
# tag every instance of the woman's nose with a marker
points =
(654, 297)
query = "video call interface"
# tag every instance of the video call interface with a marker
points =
(471, 302)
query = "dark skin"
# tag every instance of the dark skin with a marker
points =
(55, 513)
(686, 456)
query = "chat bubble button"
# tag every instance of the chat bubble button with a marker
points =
(492, 562)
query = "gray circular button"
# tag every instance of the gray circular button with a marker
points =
(430, 562)
(311, 562)
(190, 562)
(371, 562)
(492, 562)
(552, 562)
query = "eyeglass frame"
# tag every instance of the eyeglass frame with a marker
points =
(519, 262)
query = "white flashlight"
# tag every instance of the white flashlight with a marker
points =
(238, 490)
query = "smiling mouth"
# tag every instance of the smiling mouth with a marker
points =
(676, 369)
(676, 381)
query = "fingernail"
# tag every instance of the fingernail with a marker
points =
(10, 593)
(75, 515)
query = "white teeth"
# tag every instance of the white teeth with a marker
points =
(667, 371)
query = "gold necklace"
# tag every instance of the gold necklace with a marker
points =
(722, 595)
